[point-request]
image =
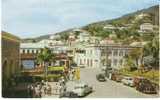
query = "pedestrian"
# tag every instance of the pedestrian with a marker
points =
(60, 89)
(42, 91)
(29, 91)
(37, 91)
(43, 83)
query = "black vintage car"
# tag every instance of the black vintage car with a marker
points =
(101, 77)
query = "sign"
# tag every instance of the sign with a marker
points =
(28, 64)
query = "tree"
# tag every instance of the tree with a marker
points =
(136, 55)
(64, 36)
(152, 49)
(129, 63)
(45, 57)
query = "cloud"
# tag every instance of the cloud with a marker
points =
(30, 18)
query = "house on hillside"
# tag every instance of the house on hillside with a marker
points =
(110, 27)
(54, 37)
(84, 36)
(146, 27)
(71, 39)
(107, 41)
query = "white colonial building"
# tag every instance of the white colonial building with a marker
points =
(87, 56)
(112, 55)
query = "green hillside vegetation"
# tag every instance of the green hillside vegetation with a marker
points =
(97, 29)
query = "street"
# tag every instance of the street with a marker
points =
(108, 89)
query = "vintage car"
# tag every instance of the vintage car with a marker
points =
(101, 77)
(82, 89)
(119, 78)
(137, 79)
(128, 81)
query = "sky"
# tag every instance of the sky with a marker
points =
(32, 18)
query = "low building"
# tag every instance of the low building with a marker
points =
(10, 59)
(110, 27)
(84, 36)
(29, 51)
(146, 27)
(71, 39)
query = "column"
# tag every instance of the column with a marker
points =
(112, 58)
(118, 58)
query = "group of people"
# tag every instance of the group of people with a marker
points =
(41, 89)
(37, 90)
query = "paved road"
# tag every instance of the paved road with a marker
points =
(109, 89)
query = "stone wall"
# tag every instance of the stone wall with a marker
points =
(10, 58)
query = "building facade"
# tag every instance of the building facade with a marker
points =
(10, 58)
(113, 55)
(88, 57)
(29, 51)
(146, 27)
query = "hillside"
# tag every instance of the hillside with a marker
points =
(97, 27)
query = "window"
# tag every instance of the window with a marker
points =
(91, 52)
(32, 51)
(115, 62)
(12, 65)
(27, 51)
(23, 51)
(62, 63)
(115, 53)
(80, 61)
(87, 62)
(91, 62)
(121, 53)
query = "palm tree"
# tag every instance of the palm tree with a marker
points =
(44, 58)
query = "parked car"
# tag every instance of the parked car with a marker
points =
(101, 77)
(68, 94)
(118, 78)
(146, 86)
(81, 66)
(128, 81)
(137, 79)
(82, 89)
